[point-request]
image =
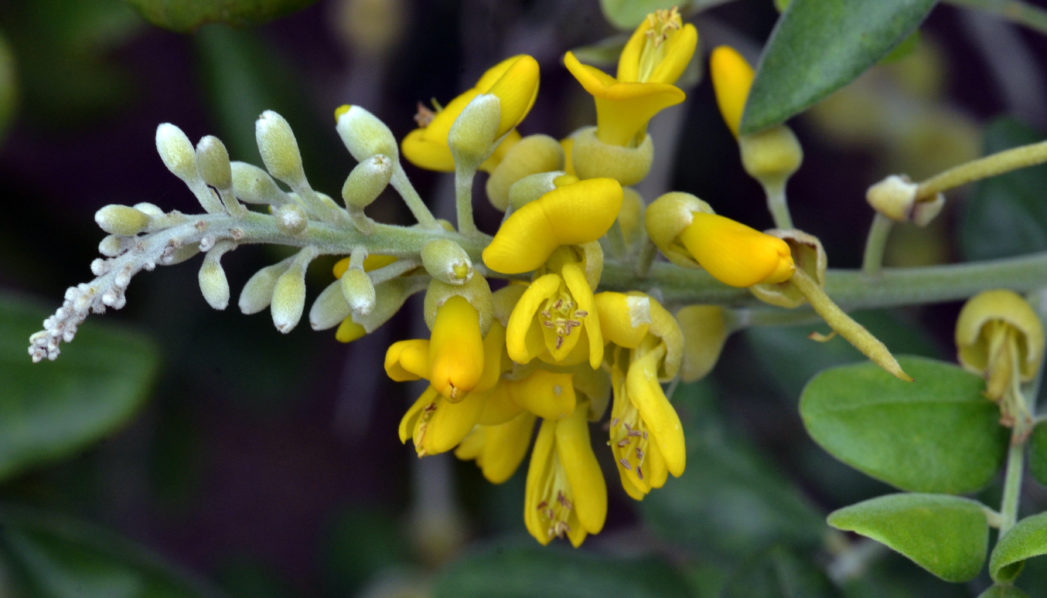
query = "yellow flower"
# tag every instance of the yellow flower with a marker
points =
(575, 213)
(499, 448)
(565, 493)
(999, 336)
(736, 254)
(732, 77)
(650, 63)
(514, 81)
(555, 320)
(646, 436)
(438, 422)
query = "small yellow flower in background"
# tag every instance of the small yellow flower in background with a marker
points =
(575, 213)
(659, 49)
(565, 493)
(732, 78)
(736, 254)
(514, 81)
(646, 436)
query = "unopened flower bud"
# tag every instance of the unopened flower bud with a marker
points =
(213, 283)
(446, 261)
(291, 218)
(893, 197)
(254, 185)
(531, 187)
(212, 162)
(593, 158)
(279, 148)
(472, 135)
(149, 209)
(367, 181)
(389, 298)
(176, 151)
(116, 219)
(258, 292)
(289, 294)
(771, 156)
(998, 335)
(808, 255)
(358, 291)
(530, 155)
(330, 308)
(111, 246)
(363, 134)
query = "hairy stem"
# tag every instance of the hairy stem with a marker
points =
(778, 205)
(1011, 159)
(875, 243)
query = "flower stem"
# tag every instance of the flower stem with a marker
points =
(778, 204)
(1012, 485)
(875, 243)
(414, 202)
(463, 192)
(991, 165)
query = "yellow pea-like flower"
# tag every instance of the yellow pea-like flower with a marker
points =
(514, 81)
(732, 78)
(565, 494)
(500, 448)
(456, 349)
(659, 49)
(545, 393)
(623, 108)
(436, 425)
(407, 360)
(736, 254)
(573, 214)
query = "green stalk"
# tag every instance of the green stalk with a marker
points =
(463, 192)
(1011, 159)
(875, 243)
(778, 205)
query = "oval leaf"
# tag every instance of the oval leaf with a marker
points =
(1038, 453)
(53, 409)
(50, 555)
(1006, 215)
(946, 535)
(937, 434)
(1028, 538)
(532, 570)
(187, 15)
(808, 56)
(997, 591)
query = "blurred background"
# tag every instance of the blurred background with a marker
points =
(176, 450)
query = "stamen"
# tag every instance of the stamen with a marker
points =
(625, 464)
(424, 115)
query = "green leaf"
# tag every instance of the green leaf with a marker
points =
(1006, 216)
(1028, 538)
(52, 409)
(501, 571)
(50, 555)
(818, 46)
(1038, 453)
(187, 15)
(997, 591)
(946, 535)
(779, 573)
(735, 501)
(937, 434)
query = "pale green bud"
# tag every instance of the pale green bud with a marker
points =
(212, 162)
(367, 181)
(330, 308)
(771, 156)
(363, 134)
(258, 292)
(389, 298)
(279, 148)
(254, 185)
(473, 133)
(893, 197)
(116, 219)
(476, 291)
(593, 158)
(446, 261)
(289, 298)
(290, 219)
(358, 291)
(213, 283)
(176, 151)
(111, 246)
(532, 154)
(531, 187)
(149, 209)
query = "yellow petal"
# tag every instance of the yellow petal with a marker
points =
(544, 393)
(522, 340)
(407, 360)
(500, 407)
(704, 333)
(537, 474)
(426, 147)
(736, 254)
(576, 283)
(348, 331)
(583, 472)
(646, 394)
(624, 319)
(505, 447)
(409, 422)
(732, 77)
(494, 349)
(516, 90)
(456, 349)
(678, 53)
(450, 423)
